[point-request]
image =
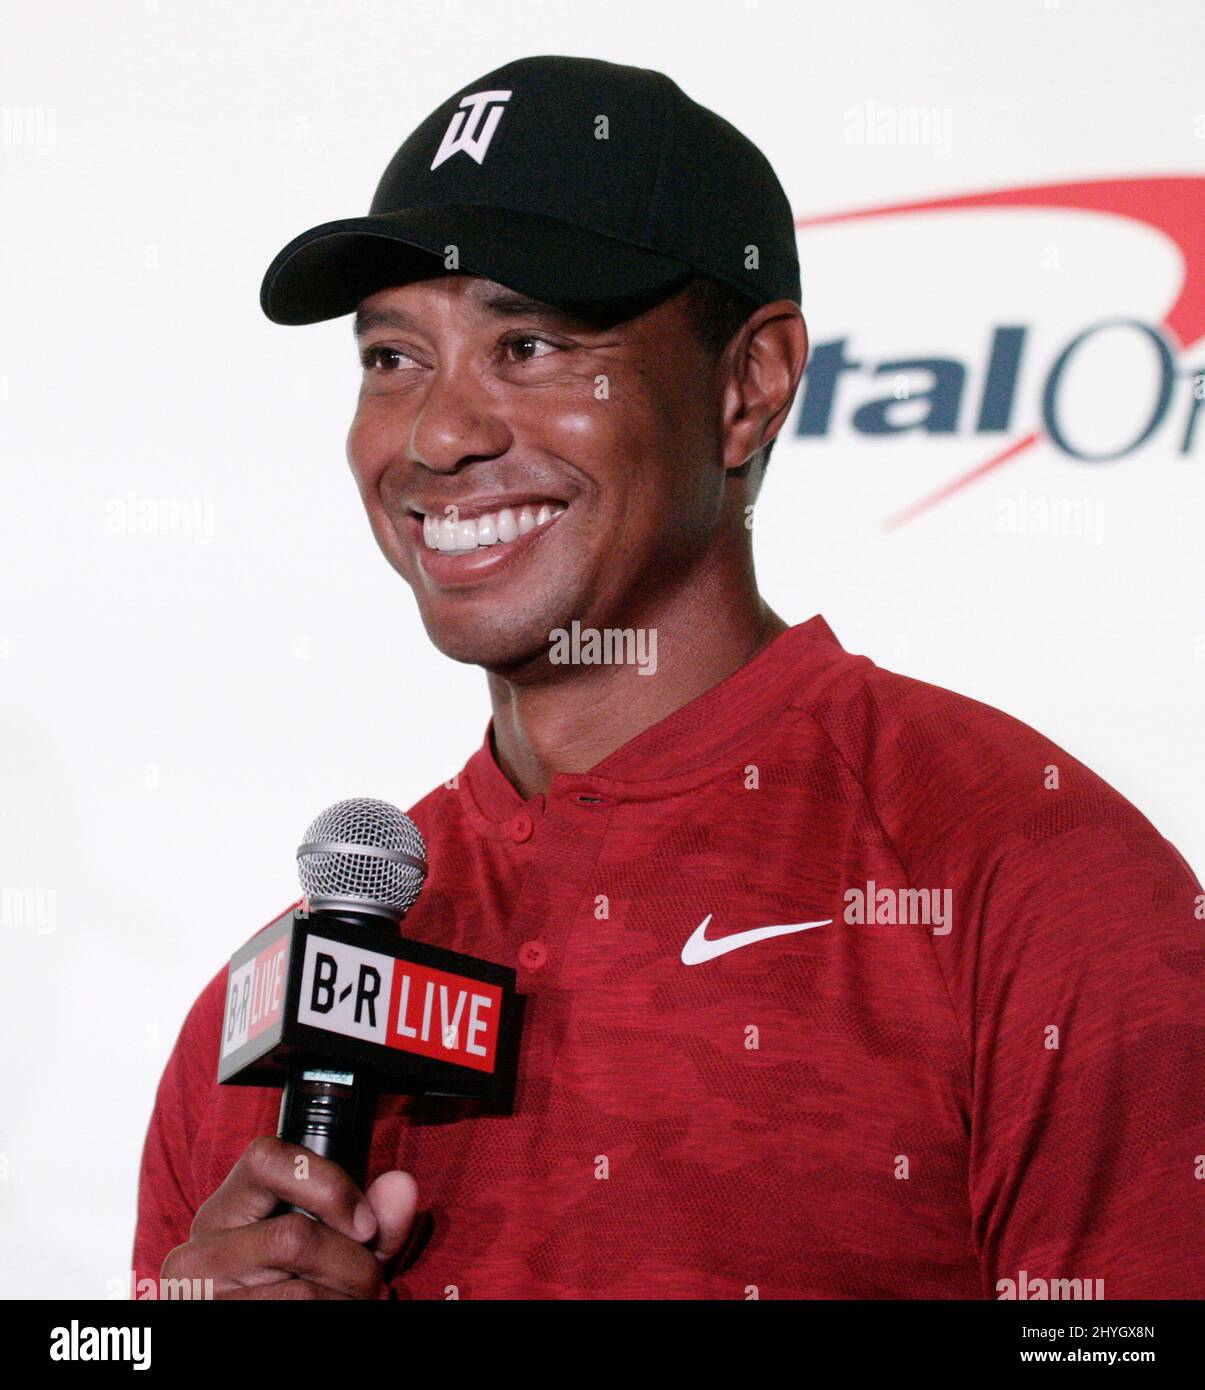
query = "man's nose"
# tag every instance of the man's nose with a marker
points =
(459, 420)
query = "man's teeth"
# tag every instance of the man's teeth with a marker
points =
(491, 528)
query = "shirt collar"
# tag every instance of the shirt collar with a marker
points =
(676, 752)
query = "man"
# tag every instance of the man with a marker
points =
(840, 985)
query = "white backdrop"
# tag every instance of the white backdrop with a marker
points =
(176, 706)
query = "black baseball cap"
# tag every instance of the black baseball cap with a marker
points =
(581, 183)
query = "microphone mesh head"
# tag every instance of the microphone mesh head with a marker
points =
(363, 853)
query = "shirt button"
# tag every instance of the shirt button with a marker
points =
(532, 955)
(521, 827)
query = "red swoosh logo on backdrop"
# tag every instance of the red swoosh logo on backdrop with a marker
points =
(1173, 206)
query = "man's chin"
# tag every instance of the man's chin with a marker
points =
(501, 642)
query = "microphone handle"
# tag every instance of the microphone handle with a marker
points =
(329, 1111)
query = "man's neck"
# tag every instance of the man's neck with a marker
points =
(575, 722)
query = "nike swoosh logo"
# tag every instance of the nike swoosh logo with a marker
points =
(698, 948)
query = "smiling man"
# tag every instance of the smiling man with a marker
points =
(840, 985)
(524, 468)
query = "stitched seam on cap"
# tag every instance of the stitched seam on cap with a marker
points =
(671, 133)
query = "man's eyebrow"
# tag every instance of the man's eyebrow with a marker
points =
(504, 305)
(511, 305)
(368, 319)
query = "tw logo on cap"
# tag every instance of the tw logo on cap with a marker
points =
(472, 130)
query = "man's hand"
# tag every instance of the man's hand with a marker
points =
(249, 1253)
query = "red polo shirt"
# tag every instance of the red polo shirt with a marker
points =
(987, 1058)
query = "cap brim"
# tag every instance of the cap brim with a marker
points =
(327, 271)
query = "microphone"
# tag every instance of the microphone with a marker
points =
(334, 1005)
(362, 863)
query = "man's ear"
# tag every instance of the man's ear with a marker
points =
(764, 365)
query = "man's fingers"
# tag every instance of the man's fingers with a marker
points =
(287, 1291)
(394, 1199)
(267, 1253)
(271, 1171)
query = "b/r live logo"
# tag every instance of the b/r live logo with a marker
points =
(400, 1004)
(254, 996)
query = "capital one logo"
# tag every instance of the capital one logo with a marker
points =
(1170, 206)
(472, 128)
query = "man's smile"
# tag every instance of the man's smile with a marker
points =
(472, 543)
(466, 528)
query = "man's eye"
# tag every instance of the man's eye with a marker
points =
(522, 343)
(371, 358)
